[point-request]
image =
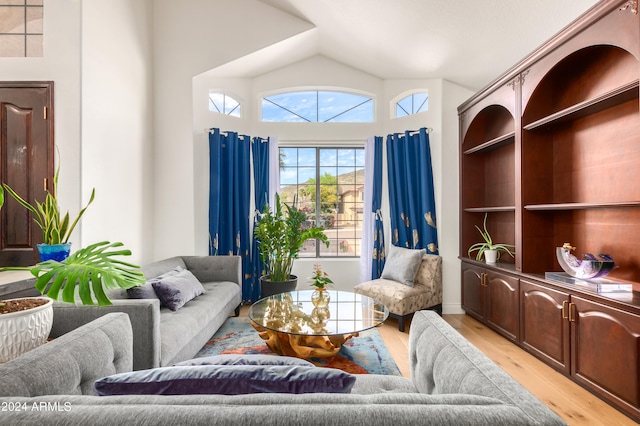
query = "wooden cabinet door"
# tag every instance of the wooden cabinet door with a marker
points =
(26, 165)
(544, 331)
(606, 352)
(473, 293)
(502, 312)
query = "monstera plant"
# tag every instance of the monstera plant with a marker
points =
(91, 270)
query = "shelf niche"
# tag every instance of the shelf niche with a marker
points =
(580, 156)
(488, 175)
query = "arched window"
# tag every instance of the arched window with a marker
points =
(317, 106)
(412, 104)
(224, 104)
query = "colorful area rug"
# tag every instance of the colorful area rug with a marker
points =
(365, 354)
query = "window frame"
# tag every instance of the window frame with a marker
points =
(348, 91)
(318, 146)
(225, 96)
(394, 104)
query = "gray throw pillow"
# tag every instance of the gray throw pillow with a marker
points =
(176, 290)
(402, 264)
(226, 380)
(146, 291)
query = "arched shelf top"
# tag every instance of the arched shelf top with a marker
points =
(589, 80)
(491, 128)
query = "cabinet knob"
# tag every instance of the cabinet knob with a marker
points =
(572, 312)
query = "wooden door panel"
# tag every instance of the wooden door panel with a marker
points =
(26, 163)
(606, 354)
(503, 307)
(472, 291)
(545, 332)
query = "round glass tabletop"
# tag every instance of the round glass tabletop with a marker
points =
(304, 313)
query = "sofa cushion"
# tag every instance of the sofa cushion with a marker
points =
(177, 289)
(248, 359)
(202, 317)
(401, 264)
(226, 380)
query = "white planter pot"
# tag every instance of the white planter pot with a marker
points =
(490, 256)
(25, 330)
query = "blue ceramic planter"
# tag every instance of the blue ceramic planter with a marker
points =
(58, 252)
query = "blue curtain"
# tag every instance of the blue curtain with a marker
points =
(411, 196)
(260, 152)
(378, 257)
(229, 198)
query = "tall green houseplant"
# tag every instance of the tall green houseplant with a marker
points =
(281, 234)
(91, 269)
(56, 229)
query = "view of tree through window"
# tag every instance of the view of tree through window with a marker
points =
(412, 104)
(317, 106)
(327, 184)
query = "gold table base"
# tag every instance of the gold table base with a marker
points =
(302, 346)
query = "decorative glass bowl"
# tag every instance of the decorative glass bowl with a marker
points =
(588, 267)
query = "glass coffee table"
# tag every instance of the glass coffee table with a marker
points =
(310, 324)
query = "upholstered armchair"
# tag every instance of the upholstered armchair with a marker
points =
(402, 299)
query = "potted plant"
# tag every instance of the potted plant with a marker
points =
(488, 248)
(25, 323)
(56, 229)
(281, 233)
(320, 280)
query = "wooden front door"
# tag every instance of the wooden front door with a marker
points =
(26, 165)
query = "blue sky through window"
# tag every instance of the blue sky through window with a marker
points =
(317, 106)
(412, 104)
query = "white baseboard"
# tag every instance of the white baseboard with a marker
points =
(452, 308)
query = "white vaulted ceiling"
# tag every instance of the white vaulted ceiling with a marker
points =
(468, 42)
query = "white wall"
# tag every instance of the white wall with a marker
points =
(102, 79)
(60, 64)
(117, 142)
(191, 37)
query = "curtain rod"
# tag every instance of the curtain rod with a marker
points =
(429, 130)
(226, 133)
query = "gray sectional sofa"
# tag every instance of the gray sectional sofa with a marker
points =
(452, 384)
(161, 336)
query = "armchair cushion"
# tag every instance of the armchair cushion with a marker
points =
(401, 299)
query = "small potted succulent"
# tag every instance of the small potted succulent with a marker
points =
(488, 248)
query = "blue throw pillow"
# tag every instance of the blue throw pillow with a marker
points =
(226, 380)
(176, 290)
(249, 359)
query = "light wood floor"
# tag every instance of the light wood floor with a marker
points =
(570, 401)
